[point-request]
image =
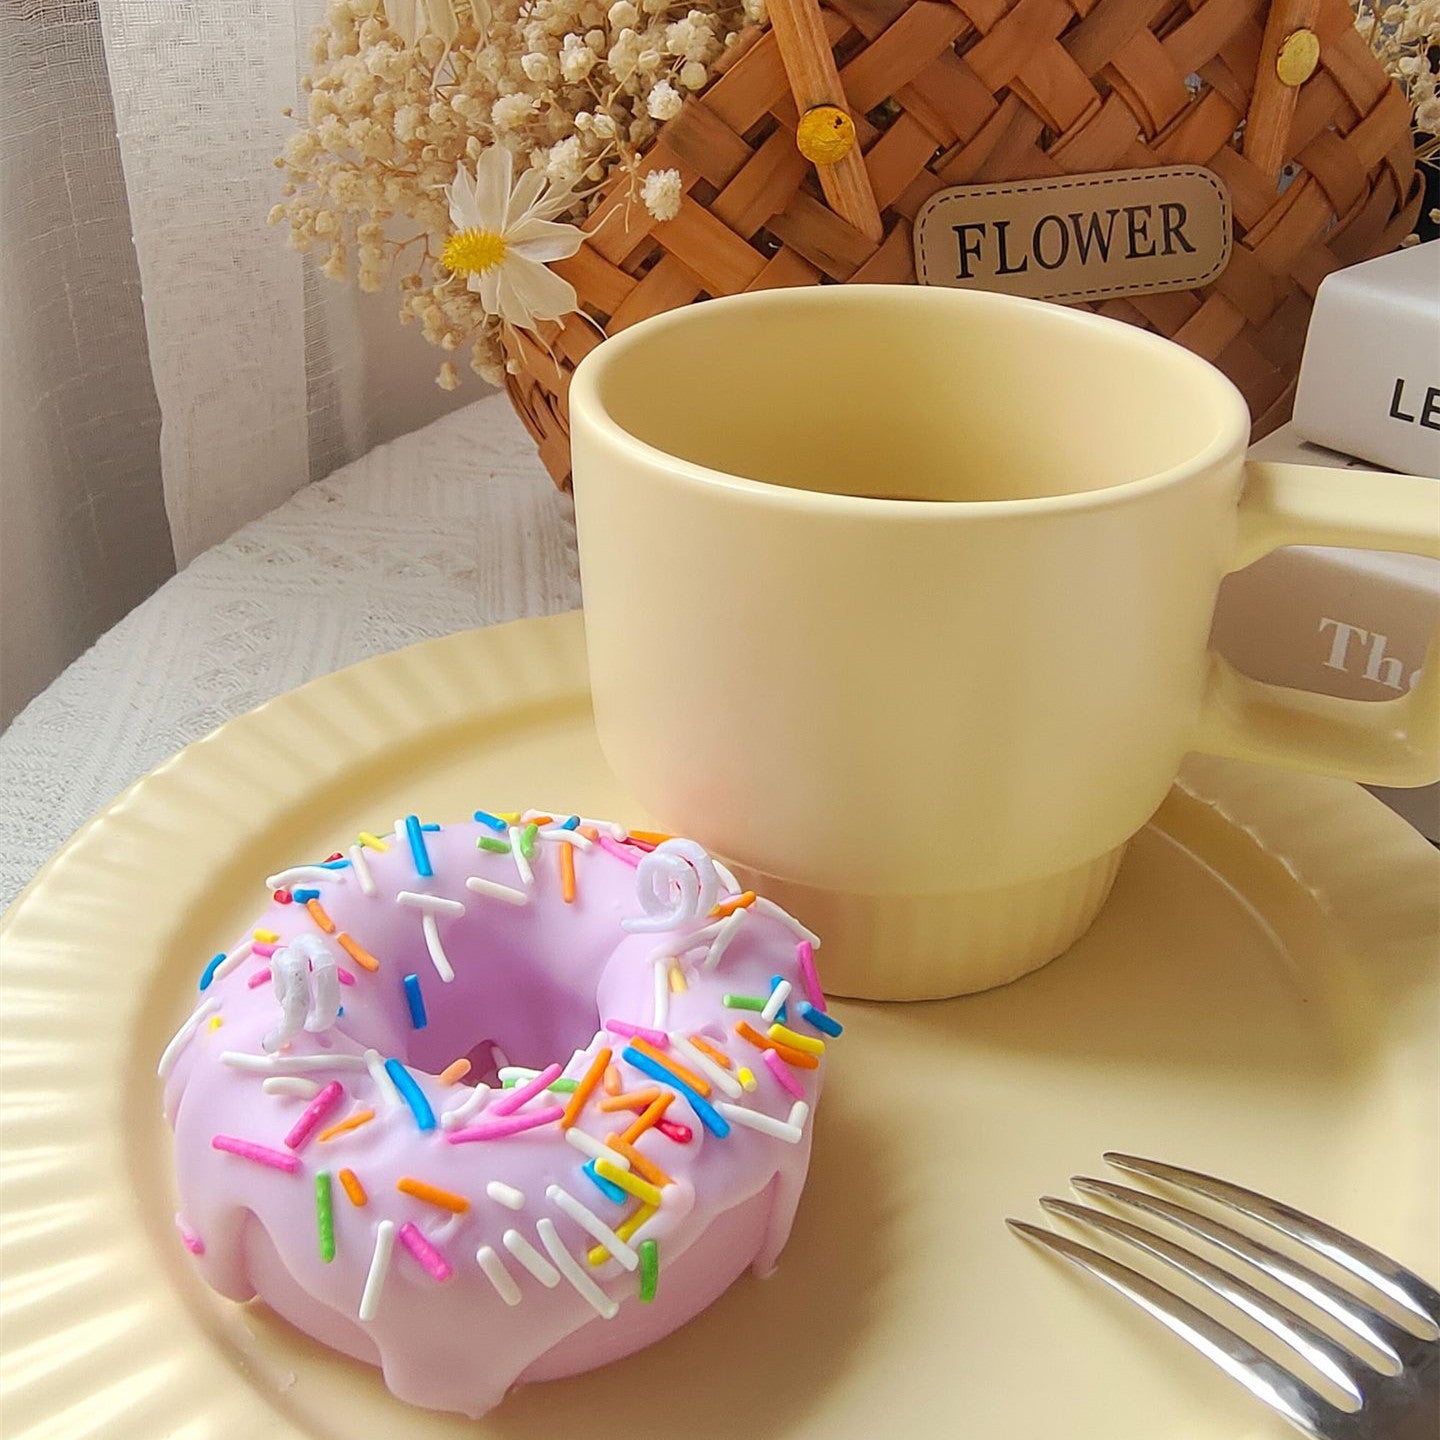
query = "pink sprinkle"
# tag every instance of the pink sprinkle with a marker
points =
(638, 844)
(658, 1038)
(315, 1112)
(512, 1100)
(258, 978)
(503, 1125)
(265, 952)
(260, 1154)
(620, 852)
(188, 1238)
(434, 1263)
(805, 954)
(674, 1130)
(781, 1071)
(344, 976)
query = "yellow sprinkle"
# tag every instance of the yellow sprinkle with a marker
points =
(677, 979)
(266, 937)
(797, 1042)
(746, 1076)
(372, 842)
(510, 817)
(350, 1122)
(216, 1022)
(642, 1190)
(598, 1254)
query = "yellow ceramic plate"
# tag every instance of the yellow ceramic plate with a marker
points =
(1259, 999)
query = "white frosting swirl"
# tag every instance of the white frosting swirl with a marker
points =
(677, 885)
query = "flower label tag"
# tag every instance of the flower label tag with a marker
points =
(1078, 237)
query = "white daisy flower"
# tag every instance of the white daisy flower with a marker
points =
(504, 239)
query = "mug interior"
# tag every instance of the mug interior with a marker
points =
(902, 393)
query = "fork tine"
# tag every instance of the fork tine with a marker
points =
(1322, 1352)
(1357, 1317)
(1388, 1276)
(1233, 1354)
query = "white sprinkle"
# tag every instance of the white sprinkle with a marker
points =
(778, 996)
(379, 1266)
(241, 952)
(531, 1259)
(718, 1076)
(521, 863)
(361, 866)
(498, 1275)
(507, 1195)
(609, 827)
(498, 1056)
(588, 1220)
(733, 922)
(735, 886)
(770, 908)
(603, 1305)
(799, 1113)
(182, 1036)
(431, 904)
(441, 961)
(518, 1073)
(380, 1078)
(296, 875)
(589, 1145)
(569, 837)
(285, 1064)
(662, 996)
(756, 1120)
(686, 943)
(473, 1102)
(508, 893)
(291, 1085)
(445, 1231)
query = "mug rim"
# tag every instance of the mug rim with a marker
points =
(588, 410)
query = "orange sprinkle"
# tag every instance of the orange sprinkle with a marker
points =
(350, 1122)
(567, 874)
(651, 837)
(588, 1081)
(433, 1195)
(612, 1080)
(318, 915)
(541, 820)
(653, 1111)
(356, 951)
(455, 1071)
(696, 1082)
(589, 832)
(796, 1058)
(729, 907)
(631, 1100)
(717, 1055)
(353, 1188)
(640, 1164)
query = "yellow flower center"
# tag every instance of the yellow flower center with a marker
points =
(472, 252)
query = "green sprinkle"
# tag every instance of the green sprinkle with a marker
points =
(324, 1216)
(495, 847)
(649, 1269)
(563, 1086)
(744, 1002)
(527, 840)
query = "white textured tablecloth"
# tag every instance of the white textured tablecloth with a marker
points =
(452, 527)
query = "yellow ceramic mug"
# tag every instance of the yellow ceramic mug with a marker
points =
(898, 599)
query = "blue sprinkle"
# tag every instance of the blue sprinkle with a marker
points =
(774, 985)
(340, 1013)
(301, 896)
(608, 1188)
(430, 827)
(416, 1001)
(208, 974)
(418, 852)
(334, 864)
(493, 821)
(411, 1094)
(819, 1019)
(707, 1114)
(573, 823)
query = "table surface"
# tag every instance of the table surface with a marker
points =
(451, 527)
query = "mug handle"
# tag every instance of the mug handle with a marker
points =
(1378, 742)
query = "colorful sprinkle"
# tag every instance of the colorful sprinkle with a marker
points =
(493, 821)
(618, 851)
(586, 1088)
(455, 1072)
(283, 897)
(809, 976)
(260, 1154)
(788, 1053)
(325, 1216)
(411, 1094)
(350, 1183)
(613, 1193)
(265, 937)
(567, 874)
(641, 1216)
(265, 952)
(808, 1043)
(714, 1052)
(495, 847)
(680, 1072)
(649, 1269)
(630, 1099)
(304, 897)
(498, 1275)
(527, 840)
(512, 1100)
(318, 915)
(613, 1081)
(651, 1116)
(711, 1118)
(357, 952)
(418, 853)
(431, 1260)
(189, 1238)
(208, 973)
(349, 1123)
(415, 999)
(433, 1195)
(721, 1079)
(642, 1190)
(505, 1125)
(258, 978)
(373, 842)
(379, 1267)
(314, 1113)
(781, 1071)
(775, 1004)
(658, 1038)
(825, 1023)
(729, 907)
(747, 1078)
(641, 1164)
(215, 1022)
(744, 1002)
(678, 983)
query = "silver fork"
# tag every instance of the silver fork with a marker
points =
(1403, 1404)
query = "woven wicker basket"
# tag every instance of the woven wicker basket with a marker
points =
(947, 92)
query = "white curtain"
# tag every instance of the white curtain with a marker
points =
(159, 395)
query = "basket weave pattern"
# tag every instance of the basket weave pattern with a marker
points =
(950, 92)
